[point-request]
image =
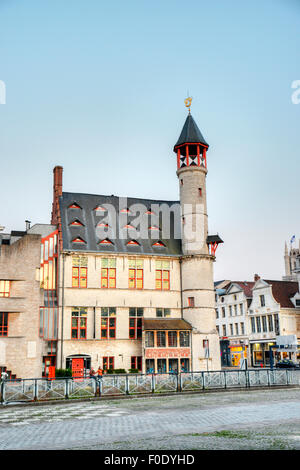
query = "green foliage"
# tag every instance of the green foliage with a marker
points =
(133, 371)
(116, 371)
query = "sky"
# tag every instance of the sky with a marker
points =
(99, 87)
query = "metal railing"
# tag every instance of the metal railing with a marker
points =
(29, 390)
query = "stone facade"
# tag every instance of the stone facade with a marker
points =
(22, 349)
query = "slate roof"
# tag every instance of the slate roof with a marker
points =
(89, 231)
(283, 291)
(246, 286)
(190, 133)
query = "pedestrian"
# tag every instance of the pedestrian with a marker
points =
(92, 373)
(99, 372)
(4, 375)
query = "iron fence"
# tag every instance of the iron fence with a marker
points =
(29, 390)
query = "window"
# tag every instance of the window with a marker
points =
(158, 243)
(108, 323)
(270, 322)
(218, 330)
(163, 312)
(230, 310)
(161, 339)
(262, 300)
(242, 328)
(236, 325)
(264, 323)
(3, 323)
(253, 324)
(4, 288)
(258, 325)
(149, 339)
(172, 339)
(276, 324)
(297, 302)
(223, 312)
(106, 241)
(135, 323)
(235, 310)
(217, 313)
(133, 242)
(231, 328)
(136, 362)
(100, 209)
(78, 240)
(136, 274)
(162, 277)
(108, 273)
(224, 330)
(241, 309)
(200, 191)
(79, 271)
(79, 323)
(191, 301)
(108, 363)
(184, 339)
(76, 222)
(74, 205)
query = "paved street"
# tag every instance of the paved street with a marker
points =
(225, 420)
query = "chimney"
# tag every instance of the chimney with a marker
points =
(256, 277)
(27, 222)
(57, 192)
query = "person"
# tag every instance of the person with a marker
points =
(4, 375)
(92, 373)
(99, 372)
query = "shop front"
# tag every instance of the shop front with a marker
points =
(260, 353)
(238, 354)
(167, 346)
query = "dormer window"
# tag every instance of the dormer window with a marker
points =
(74, 205)
(150, 212)
(78, 240)
(133, 242)
(159, 243)
(76, 223)
(100, 209)
(102, 224)
(106, 241)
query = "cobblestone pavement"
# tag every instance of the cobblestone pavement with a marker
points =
(260, 419)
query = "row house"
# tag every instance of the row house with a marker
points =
(250, 315)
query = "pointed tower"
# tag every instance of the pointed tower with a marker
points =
(198, 296)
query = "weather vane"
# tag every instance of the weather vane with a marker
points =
(188, 103)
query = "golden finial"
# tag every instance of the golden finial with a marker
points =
(188, 103)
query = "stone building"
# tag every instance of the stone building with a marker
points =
(124, 283)
(251, 315)
(21, 348)
(232, 303)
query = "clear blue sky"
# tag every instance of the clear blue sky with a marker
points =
(98, 87)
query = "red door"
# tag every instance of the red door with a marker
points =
(77, 367)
